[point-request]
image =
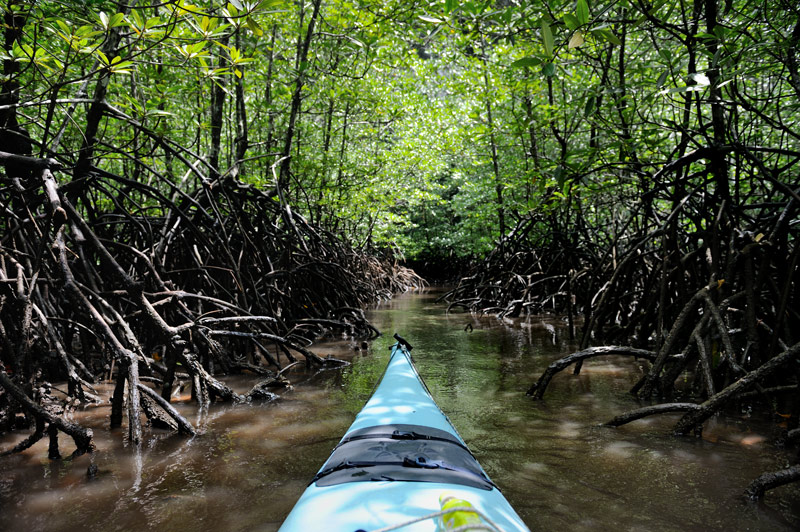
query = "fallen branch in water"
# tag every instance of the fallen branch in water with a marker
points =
(537, 389)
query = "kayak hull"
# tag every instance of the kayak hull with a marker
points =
(412, 448)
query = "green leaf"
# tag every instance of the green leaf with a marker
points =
(549, 70)
(355, 41)
(607, 35)
(559, 175)
(662, 79)
(64, 27)
(449, 5)
(526, 62)
(254, 27)
(571, 21)
(582, 12)
(117, 19)
(589, 108)
(118, 66)
(547, 38)
(158, 112)
(137, 19)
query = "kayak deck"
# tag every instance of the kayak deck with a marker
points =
(400, 455)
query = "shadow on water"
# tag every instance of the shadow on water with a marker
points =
(556, 465)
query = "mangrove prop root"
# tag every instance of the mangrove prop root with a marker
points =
(715, 403)
(80, 435)
(713, 307)
(639, 413)
(755, 491)
(214, 276)
(538, 388)
(181, 423)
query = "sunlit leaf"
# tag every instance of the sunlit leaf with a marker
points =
(117, 19)
(63, 25)
(576, 40)
(699, 79)
(254, 27)
(432, 20)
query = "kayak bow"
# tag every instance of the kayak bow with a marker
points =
(401, 466)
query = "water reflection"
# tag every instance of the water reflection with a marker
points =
(557, 466)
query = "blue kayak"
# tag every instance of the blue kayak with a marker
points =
(401, 466)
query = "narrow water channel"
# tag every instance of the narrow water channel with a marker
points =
(557, 466)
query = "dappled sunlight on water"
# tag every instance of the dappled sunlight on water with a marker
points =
(555, 462)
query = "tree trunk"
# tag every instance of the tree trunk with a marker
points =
(97, 109)
(297, 97)
(217, 110)
(242, 142)
(498, 185)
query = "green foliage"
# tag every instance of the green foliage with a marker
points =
(394, 144)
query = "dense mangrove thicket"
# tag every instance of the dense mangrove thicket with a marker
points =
(137, 244)
(216, 183)
(665, 143)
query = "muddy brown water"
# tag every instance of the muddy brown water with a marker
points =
(557, 466)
